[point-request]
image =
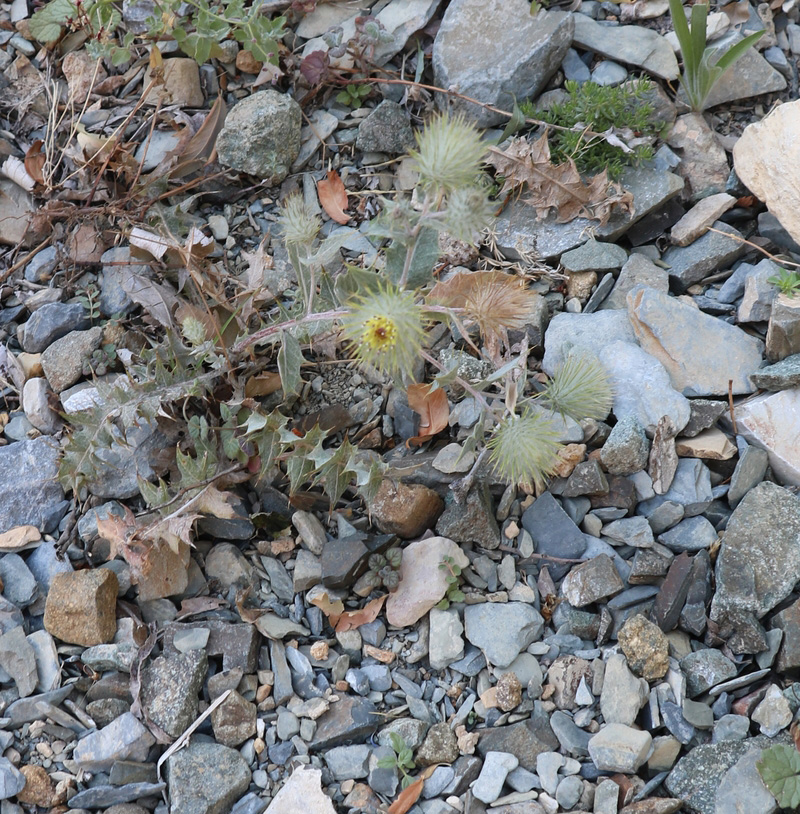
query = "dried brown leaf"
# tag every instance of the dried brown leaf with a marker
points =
(433, 410)
(737, 13)
(407, 797)
(199, 604)
(557, 187)
(249, 615)
(265, 384)
(350, 620)
(332, 609)
(333, 197)
(35, 160)
(159, 300)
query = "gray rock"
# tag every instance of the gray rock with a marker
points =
(594, 579)
(626, 449)
(349, 719)
(553, 532)
(705, 413)
(713, 251)
(691, 489)
(619, 748)
(574, 67)
(547, 766)
(743, 782)
(496, 766)
(435, 785)
(731, 728)
(642, 386)
(569, 792)
(470, 522)
(12, 781)
(773, 714)
(409, 729)
(501, 631)
(756, 303)
(638, 270)
(19, 584)
(697, 776)
(261, 136)
(588, 332)
(525, 740)
(751, 75)
(18, 659)
(170, 689)
(446, 638)
(631, 44)
(623, 693)
(51, 322)
(473, 52)
(387, 129)
(704, 669)
(518, 226)
(439, 746)
(40, 269)
(63, 359)
(384, 780)
(118, 273)
(750, 470)
(759, 560)
(594, 256)
(692, 534)
(573, 739)
(717, 353)
(125, 738)
(632, 531)
(45, 654)
(29, 484)
(609, 74)
(780, 376)
(106, 796)
(348, 762)
(206, 778)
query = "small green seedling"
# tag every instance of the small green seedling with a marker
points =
(454, 593)
(353, 95)
(402, 759)
(384, 569)
(787, 282)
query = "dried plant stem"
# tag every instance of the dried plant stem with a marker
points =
(476, 394)
(752, 245)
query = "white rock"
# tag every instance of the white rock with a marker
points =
(767, 160)
(619, 748)
(302, 792)
(422, 581)
(446, 638)
(37, 408)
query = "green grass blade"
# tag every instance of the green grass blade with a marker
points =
(683, 34)
(699, 17)
(736, 52)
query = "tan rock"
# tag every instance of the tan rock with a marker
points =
(16, 206)
(422, 581)
(234, 720)
(181, 84)
(764, 160)
(783, 332)
(406, 510)
(645, 647)
(39, 790)
(82, 74)
(31, 364)
(580, 284)
(569, 456)
(247, 63)
(711, 443)
(695, 222)
(704, 164)
(20, 538)
(80, 607)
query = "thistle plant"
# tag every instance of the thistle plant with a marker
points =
(703, 65)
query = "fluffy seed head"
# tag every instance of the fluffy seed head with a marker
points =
(299, 227)
(385, 329)
(580, 388)
(469, 211)
(524, 449)
(449, 153)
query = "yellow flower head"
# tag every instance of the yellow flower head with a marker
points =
(385, 329)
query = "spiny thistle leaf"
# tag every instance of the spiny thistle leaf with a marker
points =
(468, 212)
(449, 153)
(579, 388)
(524, 449)
(385, 329)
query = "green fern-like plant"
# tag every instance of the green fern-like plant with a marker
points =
(626, 109)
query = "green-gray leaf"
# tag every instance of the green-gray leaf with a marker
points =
(290, 359)
(779, 768)
(425, 253)
(45, 24)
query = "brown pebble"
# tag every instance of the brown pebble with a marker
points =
(80, 607)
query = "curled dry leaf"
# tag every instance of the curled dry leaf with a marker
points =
(199, 604)
(160, 301)
(264, 384)
(35, 160)
(350, 620)
(15, 169)
(410, 794)
(433, 410)
(11, 370)
(333, 197)
(149, 242)
(557, 187)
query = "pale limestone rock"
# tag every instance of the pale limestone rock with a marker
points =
(702, 215)
(711, 443)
